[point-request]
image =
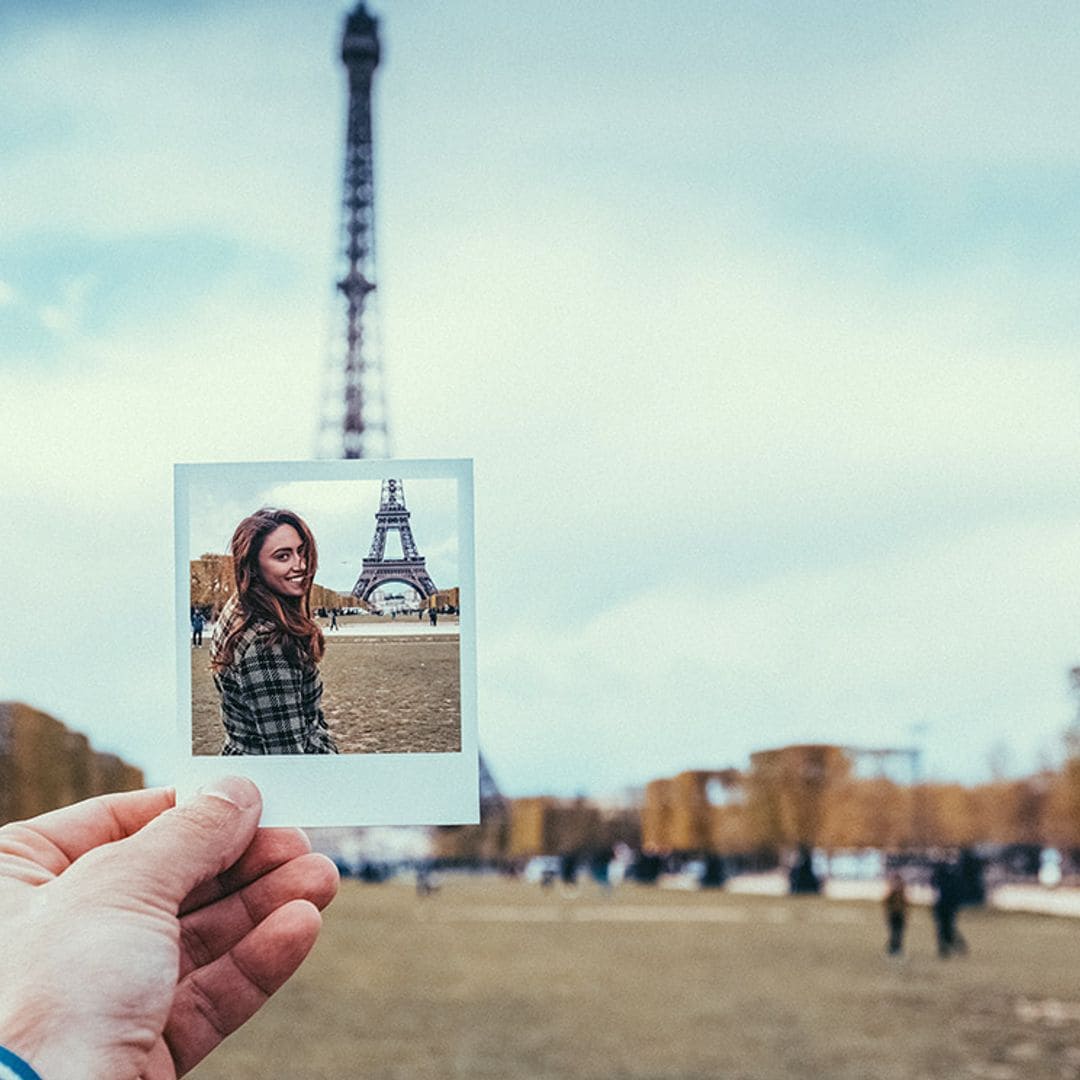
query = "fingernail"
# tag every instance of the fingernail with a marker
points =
(237, 790)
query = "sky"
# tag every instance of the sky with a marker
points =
(758, 320)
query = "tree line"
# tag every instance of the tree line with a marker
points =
(791, 797)
(43, 765)
(213, 582)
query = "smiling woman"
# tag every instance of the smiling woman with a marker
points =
(266, 647)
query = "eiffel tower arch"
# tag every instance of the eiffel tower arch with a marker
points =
(410, 569)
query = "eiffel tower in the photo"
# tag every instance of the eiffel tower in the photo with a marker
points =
(410, 569)
(357, 425)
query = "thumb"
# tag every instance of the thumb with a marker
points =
(194, 841)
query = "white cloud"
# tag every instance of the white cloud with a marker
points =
(181, 122)
(65, 317)
(984, 83)
(968, 636)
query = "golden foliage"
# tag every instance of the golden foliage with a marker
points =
(731, 830)
(443, 598)
(322, 597)
(680, 815)
(792, 792)
(1062, 815)
(474, 843)
(656, 816)
(212, 581)
(868, 813)
(545, 826)
(43, 765)
(527, 826)
(807, 795)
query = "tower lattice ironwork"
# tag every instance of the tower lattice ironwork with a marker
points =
(358, 415)
(410, 569)
(356, 411)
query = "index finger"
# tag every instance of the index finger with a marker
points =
(270, 849)
(56, 839)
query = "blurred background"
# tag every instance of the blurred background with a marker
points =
(759, 324)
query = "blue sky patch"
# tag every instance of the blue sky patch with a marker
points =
(55, 287)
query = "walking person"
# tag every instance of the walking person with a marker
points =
(198, 621)
(568, 872)
(433, 616)
(896, 904)
(333, 618)
(946, 904)
(266, 647)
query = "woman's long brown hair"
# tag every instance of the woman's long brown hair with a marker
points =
(290, 618)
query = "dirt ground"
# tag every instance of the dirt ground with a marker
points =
(381, 695)
(496, 980)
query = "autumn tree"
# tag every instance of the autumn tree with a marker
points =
(212, 581)
(1062, 823)
(791, 792)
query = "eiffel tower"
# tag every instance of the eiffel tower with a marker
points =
(355, 422)
(363, 427)
(409, 569)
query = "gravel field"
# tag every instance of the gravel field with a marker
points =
(381, 695)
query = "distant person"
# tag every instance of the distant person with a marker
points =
(266, 647)
(646, 868)
(600, 867)
(426, 884)
(802, 878)
(713, 874)
(946, 884)
(971, 888)
(433, 616)
(137, 935)
(896, 905)
(568, 872)
(333, 619)
(198, 621)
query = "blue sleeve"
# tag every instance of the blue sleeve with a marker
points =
(12, 1067)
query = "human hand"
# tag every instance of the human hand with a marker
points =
(135, 936)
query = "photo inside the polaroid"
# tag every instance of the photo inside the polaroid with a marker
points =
(325, 614)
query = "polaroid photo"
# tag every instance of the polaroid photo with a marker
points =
(326, 639)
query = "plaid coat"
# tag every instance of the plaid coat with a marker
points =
(268, 705)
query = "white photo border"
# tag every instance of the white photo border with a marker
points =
(349, 790)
